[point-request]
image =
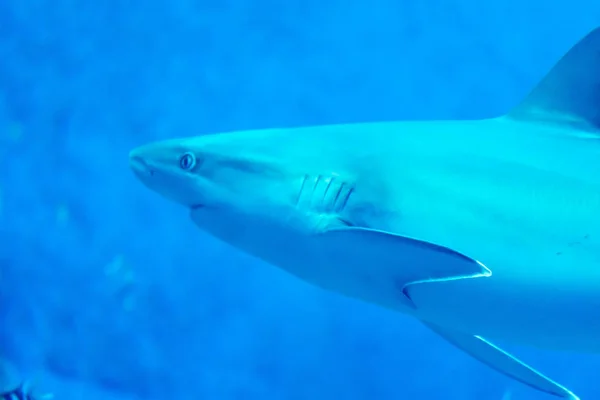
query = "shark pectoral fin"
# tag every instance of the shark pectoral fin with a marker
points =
(570, 92)
(397, 260)
(502, 362)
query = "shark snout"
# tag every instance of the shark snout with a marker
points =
(139, 166)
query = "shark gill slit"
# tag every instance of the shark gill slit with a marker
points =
(313, 200)
(337, 196)
(319, 197)
(342, 197)
(346, 198)
(324, 198)
(299, 197)
(317, 180)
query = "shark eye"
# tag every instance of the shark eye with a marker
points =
(187, 161)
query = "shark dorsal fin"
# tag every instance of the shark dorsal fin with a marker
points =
(570, 92)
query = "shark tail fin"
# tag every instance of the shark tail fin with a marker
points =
(570, 92)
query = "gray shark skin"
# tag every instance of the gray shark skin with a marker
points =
(483, 230)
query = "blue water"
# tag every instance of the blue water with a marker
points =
(108, 291)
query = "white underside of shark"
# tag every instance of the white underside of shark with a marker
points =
(484, 230)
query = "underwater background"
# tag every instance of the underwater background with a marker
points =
(108, 291)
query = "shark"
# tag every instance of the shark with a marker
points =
(485, 230)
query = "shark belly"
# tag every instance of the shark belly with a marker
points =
(554, 306)
(536, 226)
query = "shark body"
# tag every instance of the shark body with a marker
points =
(484, 230)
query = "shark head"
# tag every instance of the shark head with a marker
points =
(253, 188)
